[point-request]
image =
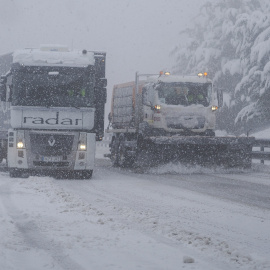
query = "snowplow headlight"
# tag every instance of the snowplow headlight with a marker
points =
(20, 145)
(157, 108)
(214, 108)
(204, 74)
(166, 73)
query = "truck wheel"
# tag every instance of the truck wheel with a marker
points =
(125, 159)
(122, 158)
(13, 173)
(114, 151)
(87, 174)
(2, 154)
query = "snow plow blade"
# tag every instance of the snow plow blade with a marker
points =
(223, 151)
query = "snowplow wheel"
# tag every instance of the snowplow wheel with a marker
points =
(119, 152)
(121, 155)
(114, 151)
(124, 160)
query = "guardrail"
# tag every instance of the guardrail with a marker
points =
(264, 152)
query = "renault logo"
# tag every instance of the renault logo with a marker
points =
(51, 141)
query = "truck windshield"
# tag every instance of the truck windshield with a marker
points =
(53, 86)
(184, 93)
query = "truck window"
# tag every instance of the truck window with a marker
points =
(68, 87)
(184, 94)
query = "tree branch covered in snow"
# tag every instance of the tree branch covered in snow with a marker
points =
(230, 39)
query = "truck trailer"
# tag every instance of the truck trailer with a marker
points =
(52, 110)
(171, 118)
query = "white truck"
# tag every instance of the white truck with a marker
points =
(52, 111)
(166, 118)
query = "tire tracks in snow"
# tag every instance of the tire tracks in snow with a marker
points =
(27, 229)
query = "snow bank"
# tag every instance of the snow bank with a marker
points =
(264, 134)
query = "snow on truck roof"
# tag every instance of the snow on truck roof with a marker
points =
(167, 79)
(178, 78)
(53, 55)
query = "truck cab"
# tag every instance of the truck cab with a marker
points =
(180, 105)
(52, 102)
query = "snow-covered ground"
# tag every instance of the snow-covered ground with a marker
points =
(264, 134)
(173, 217)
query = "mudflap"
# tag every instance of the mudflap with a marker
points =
(206, 151)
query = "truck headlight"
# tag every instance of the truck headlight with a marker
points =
(82, 147)
(20, 139)
(157, 108)
(82, 141)
(20, 145)
(214, 108)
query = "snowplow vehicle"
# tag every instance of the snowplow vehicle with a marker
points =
(169, 118)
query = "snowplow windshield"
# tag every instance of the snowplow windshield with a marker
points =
(184, 94)
(53, 86)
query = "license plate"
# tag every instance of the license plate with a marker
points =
(51, 159)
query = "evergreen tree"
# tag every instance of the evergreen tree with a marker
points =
(231, 40)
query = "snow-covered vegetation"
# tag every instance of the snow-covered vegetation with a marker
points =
(230, 39)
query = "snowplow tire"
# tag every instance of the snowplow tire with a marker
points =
(114, 151)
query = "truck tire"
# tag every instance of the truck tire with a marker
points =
(87, 174)
(114, 151)
(13, 173)
(3, 153)
(125, 156)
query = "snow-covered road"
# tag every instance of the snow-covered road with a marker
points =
(124, 220)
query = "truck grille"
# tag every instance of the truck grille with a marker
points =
(51, 144)
(51, 164)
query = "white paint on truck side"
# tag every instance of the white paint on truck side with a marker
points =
(53, 56)
(52, 118)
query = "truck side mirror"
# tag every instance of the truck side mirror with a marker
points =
(220, 97)
(144, 98)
